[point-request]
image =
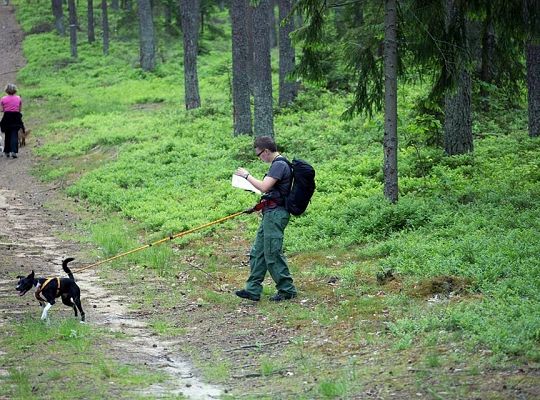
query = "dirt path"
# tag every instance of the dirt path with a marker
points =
(29, 239)
(10, 45)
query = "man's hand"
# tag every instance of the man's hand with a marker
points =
(242, 172)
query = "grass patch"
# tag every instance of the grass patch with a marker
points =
(65, 344)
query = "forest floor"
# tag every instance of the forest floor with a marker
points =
(249, 353)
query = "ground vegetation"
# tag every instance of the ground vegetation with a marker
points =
(434, 296)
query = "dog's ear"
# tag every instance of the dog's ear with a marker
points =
(20, 277)
(31, 274)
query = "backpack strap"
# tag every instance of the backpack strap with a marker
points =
(281, 201)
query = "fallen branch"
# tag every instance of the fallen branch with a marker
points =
(71, 362)
(49, 189)
(250, 375)
(250, 346)
(200, 269)
(257, 374)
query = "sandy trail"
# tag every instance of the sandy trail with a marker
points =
(30, 232)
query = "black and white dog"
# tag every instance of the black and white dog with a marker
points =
(48, 289)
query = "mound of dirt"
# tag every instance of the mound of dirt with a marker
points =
(441, 285)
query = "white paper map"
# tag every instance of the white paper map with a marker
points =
(241, 183)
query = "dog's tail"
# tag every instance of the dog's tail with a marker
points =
(65, 267)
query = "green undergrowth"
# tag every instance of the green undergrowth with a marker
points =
(121, 141)
(63, 359)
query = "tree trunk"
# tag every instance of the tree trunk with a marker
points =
(146, 36)
(250, 40)
(72, 28)
(201, 20)
(339, 24)
(190, 26)
(532, 56)
(58, 13)
(262, 73)
(272, 18)
(90, 13)
(127, 5)
(458, 138)
(105, 26)
(287, 89)
(390, 141)
(167, 14)
(240, 80)
(487, 71)
(115, 6)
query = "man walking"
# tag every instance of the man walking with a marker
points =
(267, 251)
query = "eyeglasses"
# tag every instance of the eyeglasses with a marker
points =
(260, 152)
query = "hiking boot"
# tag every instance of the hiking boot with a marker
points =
(246, 295)
(14, 155)
(282, 296)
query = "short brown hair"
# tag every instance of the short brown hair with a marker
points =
(11, 88)
(264, 143)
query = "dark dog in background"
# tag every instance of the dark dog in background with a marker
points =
(23, 134)
(48, 289)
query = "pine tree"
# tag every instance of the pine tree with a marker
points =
(288, 88)
(105, 26)
(262, 72)
(72, 27)
(190, 28)
(90, 17)
(375, 76)
(58, 13)
(146, 36)
(531, 19)
(240, 62)
(390, 141)
(458, 138)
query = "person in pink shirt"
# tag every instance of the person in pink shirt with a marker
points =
(11, 120)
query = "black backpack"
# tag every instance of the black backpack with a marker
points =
(302, 186)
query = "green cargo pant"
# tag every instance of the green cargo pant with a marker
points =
(267, 254)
